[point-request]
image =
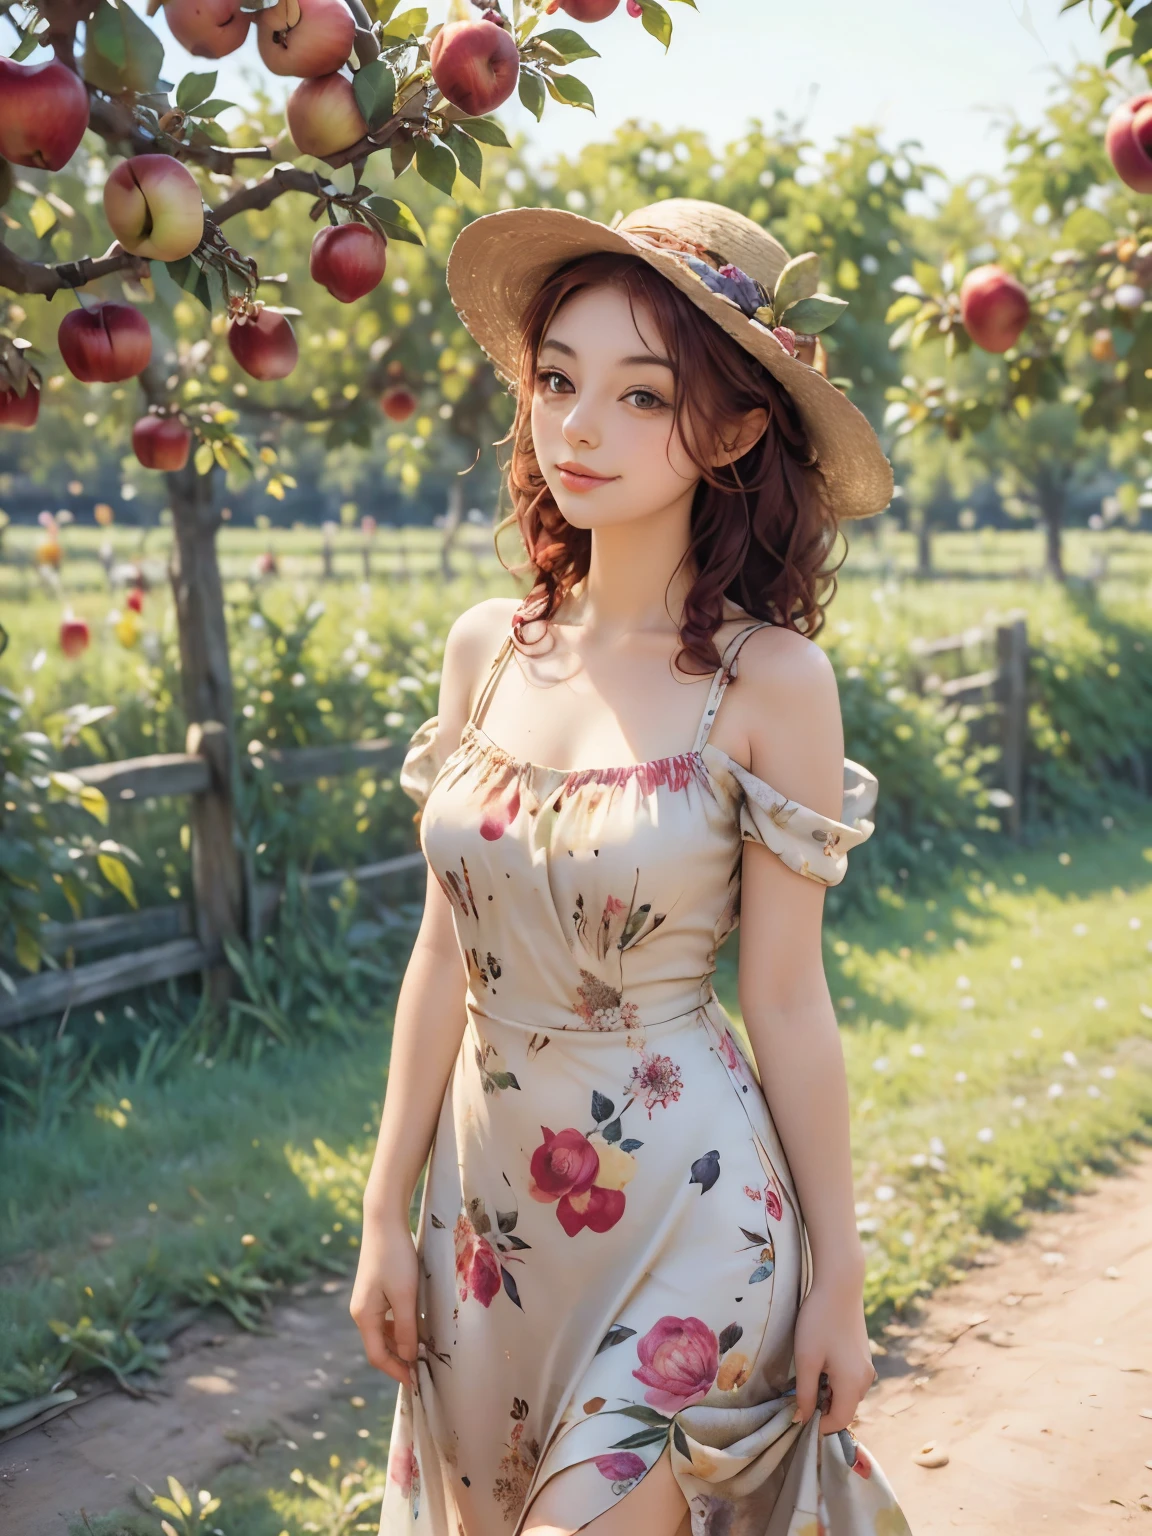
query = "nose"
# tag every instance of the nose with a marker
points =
(580, 426)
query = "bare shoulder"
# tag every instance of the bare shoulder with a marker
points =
(472, 644)
(790, 712)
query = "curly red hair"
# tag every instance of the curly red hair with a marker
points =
(762, 529)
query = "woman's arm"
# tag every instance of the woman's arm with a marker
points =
(429, 1025)
(791, 712)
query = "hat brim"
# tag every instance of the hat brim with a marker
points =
(498, 263)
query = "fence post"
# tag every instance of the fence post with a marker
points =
(217, 877)
(1012, 694)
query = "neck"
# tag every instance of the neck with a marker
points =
(633, 581)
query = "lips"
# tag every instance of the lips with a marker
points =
(575, 477)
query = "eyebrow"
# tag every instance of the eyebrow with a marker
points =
(625, 362)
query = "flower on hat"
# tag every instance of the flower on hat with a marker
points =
(731, 283)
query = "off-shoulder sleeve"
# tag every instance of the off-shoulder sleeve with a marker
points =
(813, 845)
(422, 761)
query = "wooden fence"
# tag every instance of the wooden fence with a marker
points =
(1003, 686)
(160, 943)
(181, 939)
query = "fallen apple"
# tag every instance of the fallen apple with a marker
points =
(74, 635)
(105, 343)
(43, 113)
(19, 413)
(398, 403)
(305, 37)
(1128, 140)
(264, 344)
(323, 117)
(348, 260)
(161, 442)
(207, 28)
(135, 600)
(994, 307)
(154, 208)
(475, 64)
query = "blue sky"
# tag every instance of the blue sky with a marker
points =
(932, 70)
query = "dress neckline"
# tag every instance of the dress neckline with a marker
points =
(612, 770)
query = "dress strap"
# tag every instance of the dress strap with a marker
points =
(489, 684)
(724, 675)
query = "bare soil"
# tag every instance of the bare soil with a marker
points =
(1032, 1376)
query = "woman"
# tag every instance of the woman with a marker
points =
(614, 1318)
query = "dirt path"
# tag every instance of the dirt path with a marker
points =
(1034, 1375)
(224, 1397)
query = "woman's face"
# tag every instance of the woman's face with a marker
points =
(602, 420)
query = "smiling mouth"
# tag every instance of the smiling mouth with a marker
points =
(576, 478)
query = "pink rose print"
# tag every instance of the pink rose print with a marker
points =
(477, 1267)
(772, 1205)
(679, 1358)
(404, 1470)
(598, 1210)
(566, 1164)
(563, 1169)
(729, 1055)
(621, 1466)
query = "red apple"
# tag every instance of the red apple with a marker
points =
(135, 600)
(348, 260)
(105, 343)
(153, 207)
(267, 564)
(264, 344)
(305, 37)
(43, 113)
(589, 10)
(994, 307)
(161, 442)
(207, 28)
(323, 117)
(19, 412)
(74, 636)
(398, 403)
(475, 64)
(1128, 139)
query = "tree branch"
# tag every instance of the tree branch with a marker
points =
(20, 276)
(258, 195)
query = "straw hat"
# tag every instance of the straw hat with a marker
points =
(725, 263)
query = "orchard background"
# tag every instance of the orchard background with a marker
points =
(249, 474)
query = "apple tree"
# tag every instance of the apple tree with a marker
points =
(379, 90)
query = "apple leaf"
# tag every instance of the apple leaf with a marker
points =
(122, 54)
(1085, 229)
(570, 45)
(382, 9)
(42, 217)
(899, 309)
(115, 871)
(194, 89)
(374, 86)
(436, 165)
(815, 314)
(401, 154)
(1142, 31)
(486, 129)
(796, 281)
(212, 108)
(656, 20)
(398, 222)
(530, 88)
(413, 23)
(467, 152)
(572, 92)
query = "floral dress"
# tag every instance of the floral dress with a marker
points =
(611, 1251)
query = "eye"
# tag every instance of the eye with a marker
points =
(547, 377)
(645, 399)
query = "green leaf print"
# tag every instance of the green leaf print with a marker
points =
(602, 1108)
(611, 1131)
(644, 1437)
(615, 1335)
(645, 1414)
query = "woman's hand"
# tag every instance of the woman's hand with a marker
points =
(832, 1338)
(386, 1279)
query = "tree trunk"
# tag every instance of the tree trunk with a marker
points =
(924, 545)
(206, 677)
(453, 519)
(1052, 514)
